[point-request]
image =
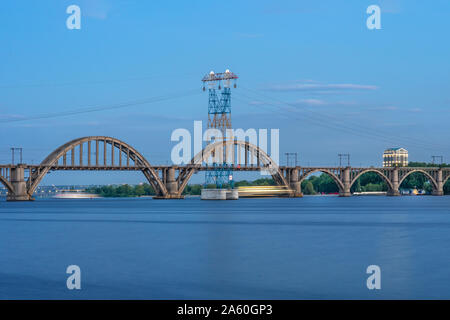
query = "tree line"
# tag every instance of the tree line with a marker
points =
(314, 184)
(126, 190)
(371, 181)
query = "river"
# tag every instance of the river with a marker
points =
(309, 248)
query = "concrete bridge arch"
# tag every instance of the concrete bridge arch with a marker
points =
(62, 151)
(6, 183)
(232, 150)
(430, 178)
(334, 175)
(382, 175)
(445, 180)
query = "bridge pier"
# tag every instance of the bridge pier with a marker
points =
(171, 185)
(17, 179)
(294, 183)
(345, 192)
(439, 191)
(394, 191)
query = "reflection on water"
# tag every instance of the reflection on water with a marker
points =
(309, 248)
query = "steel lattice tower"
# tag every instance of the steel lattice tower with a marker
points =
(219, 117)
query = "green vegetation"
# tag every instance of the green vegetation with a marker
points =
(122, 191)
(258, 182)
(419, 179)
(195, 189)
(319, 184)
(323, 183)
(424, 164)
(371, 181)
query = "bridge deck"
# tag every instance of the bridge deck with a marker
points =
(129, 168)
(200, 167)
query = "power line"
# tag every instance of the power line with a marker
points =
(441, 158)
(94, 82)
(102, 108)
(318, 119)
(318, 122)
(288, 154)
(13, 152)
(344, 155)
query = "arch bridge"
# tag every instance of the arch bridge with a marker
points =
(101, 153)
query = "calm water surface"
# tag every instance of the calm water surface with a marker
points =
(309, 248)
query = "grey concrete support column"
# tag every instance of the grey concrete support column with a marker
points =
(440, 185)
(19, 185)
(395, 184)
(295, 184)
(346, 181)
(171, 183)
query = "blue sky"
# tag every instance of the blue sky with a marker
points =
(310, 68)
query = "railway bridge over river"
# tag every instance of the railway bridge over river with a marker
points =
(100, 153)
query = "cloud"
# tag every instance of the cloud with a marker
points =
(307, 102)
(11, 116)
(385, 108)
(322, 88)
(311, 102)
(256, 103)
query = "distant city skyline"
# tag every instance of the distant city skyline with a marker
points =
(309, 68)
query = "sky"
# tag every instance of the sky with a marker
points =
(311, 69)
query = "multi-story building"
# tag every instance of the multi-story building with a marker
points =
(395, 157)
